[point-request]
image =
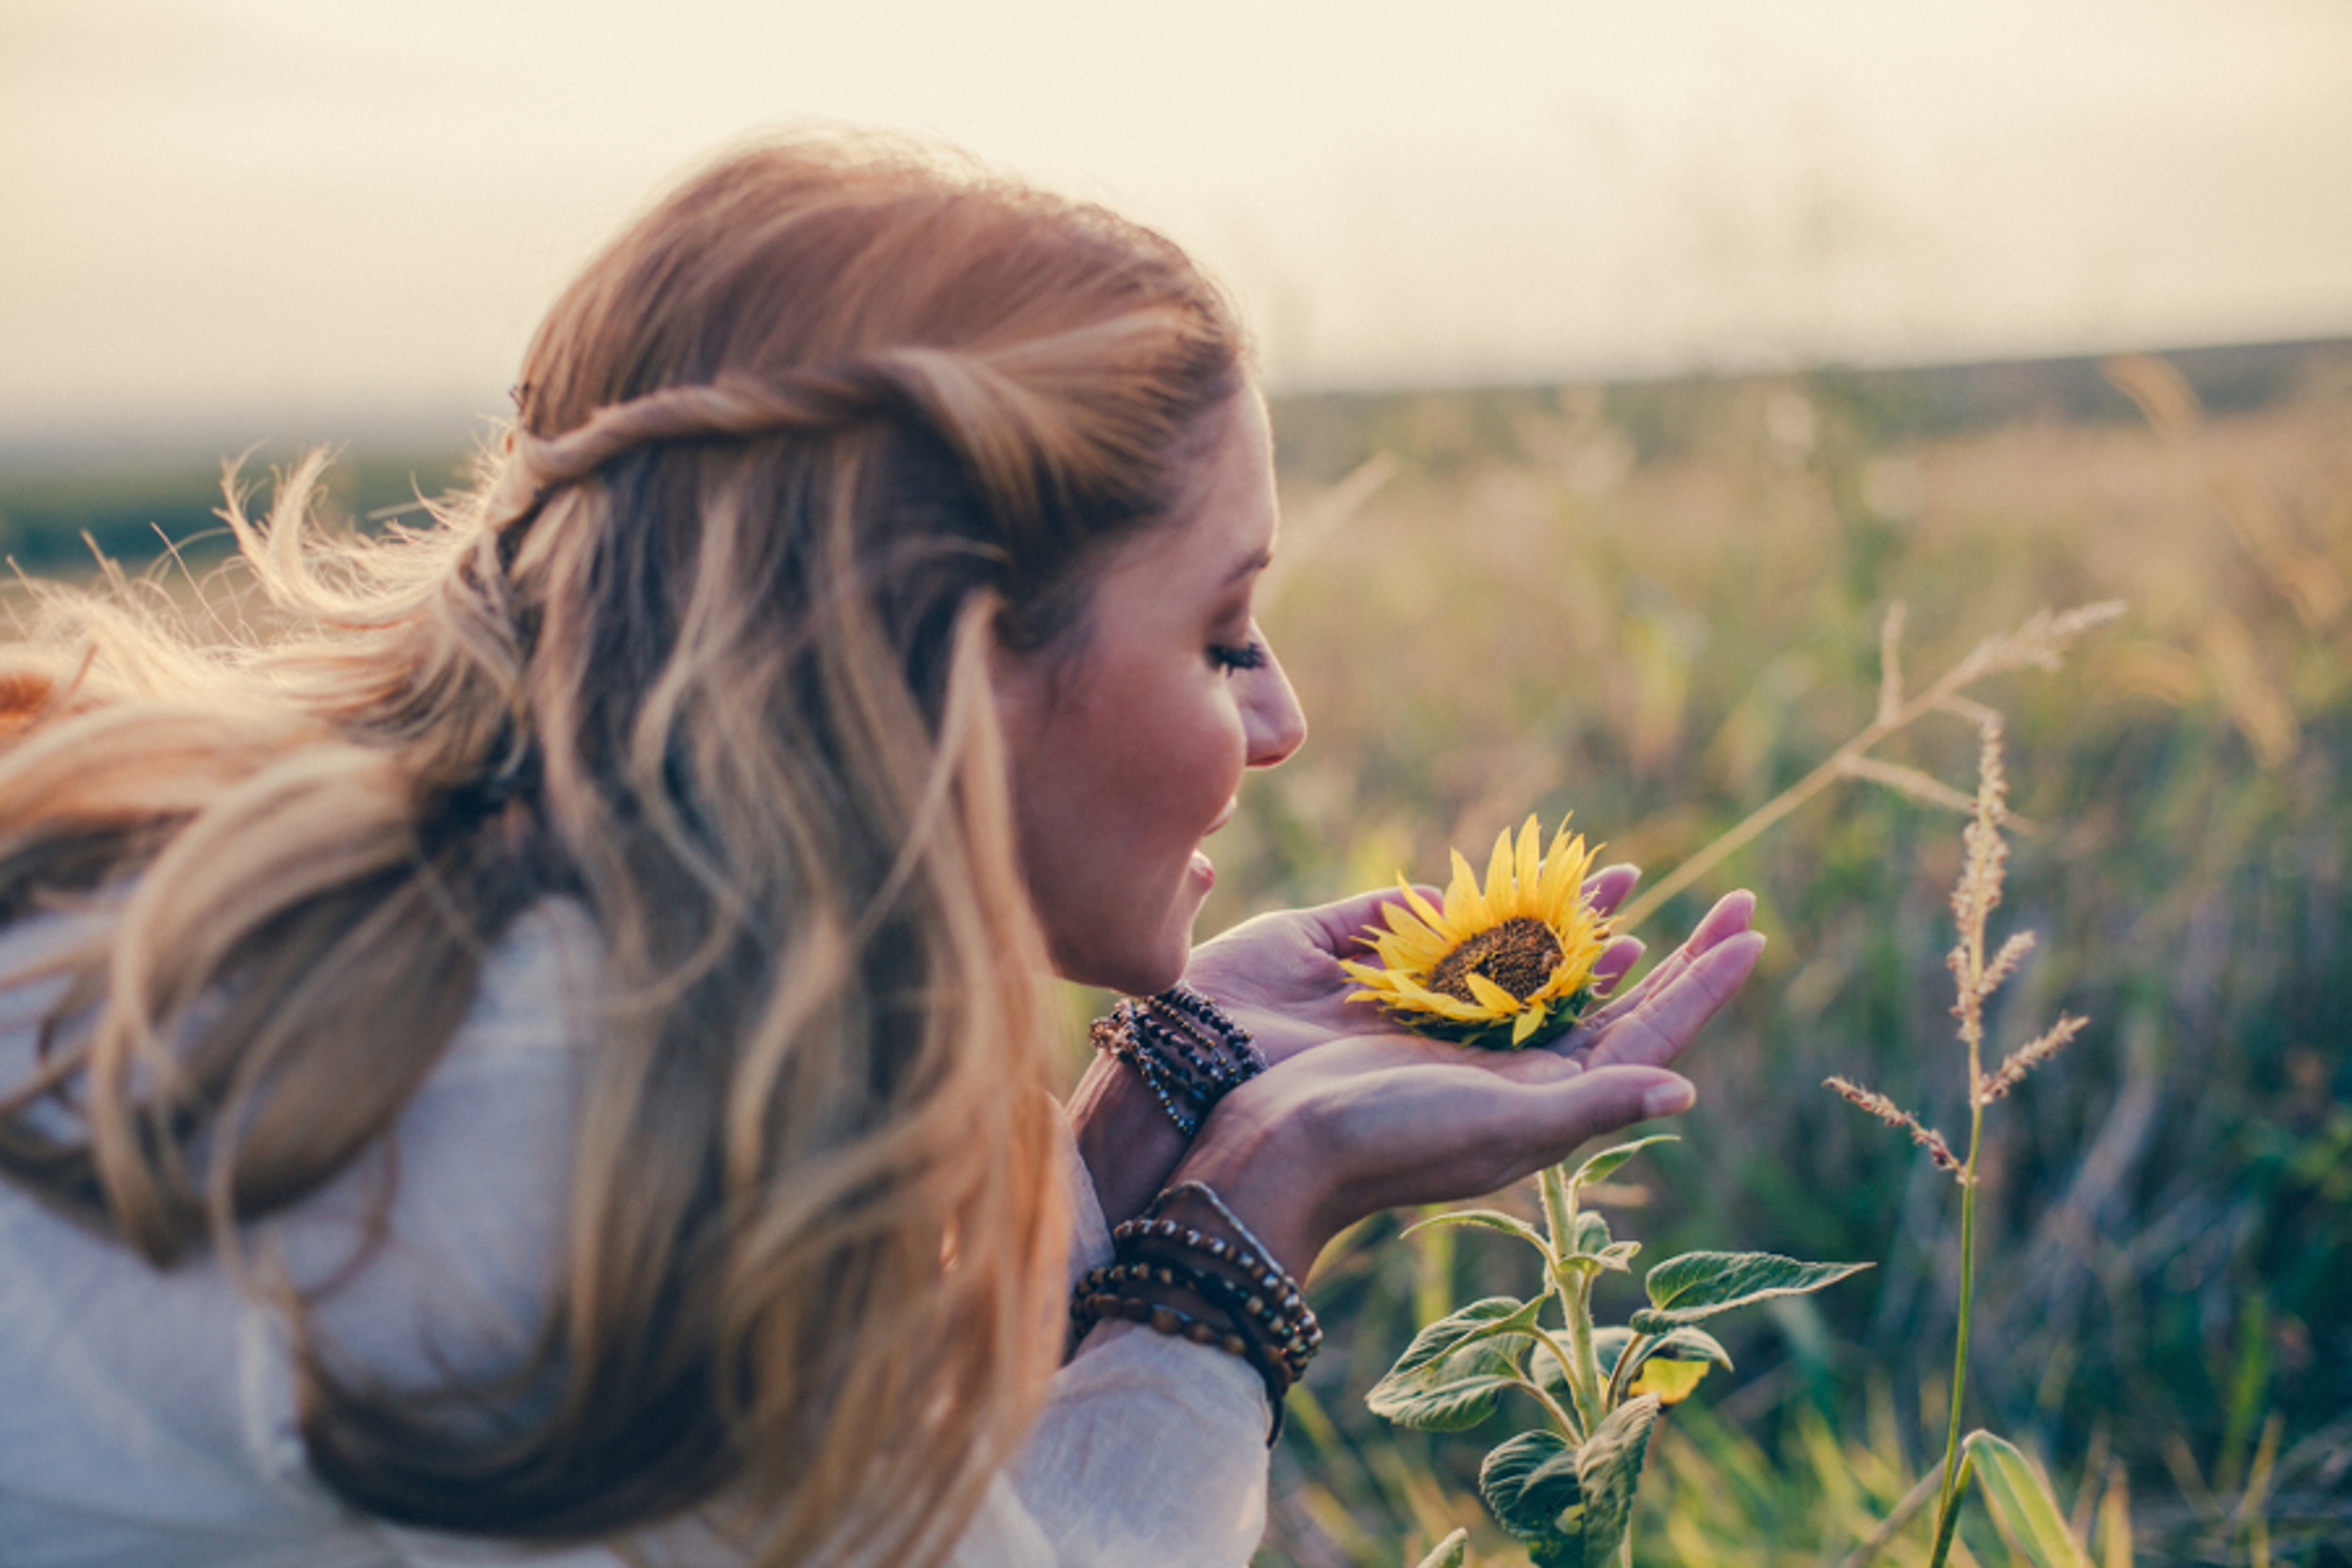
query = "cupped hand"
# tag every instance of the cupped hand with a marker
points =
(1369, 1121)
(1279, 976)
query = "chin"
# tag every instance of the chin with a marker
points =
(1135, 969)
(1130, 974)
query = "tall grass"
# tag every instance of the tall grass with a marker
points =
(1661, 607)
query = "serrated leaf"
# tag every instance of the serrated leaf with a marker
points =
(2015, 1492)
(1452, 1552)
(1486, 1219)
(1455, 1369)
(1531, 1487)
(1608, 1468)
(1603, 1166)
(1671, 1381)
(1592, 1234)
(1698, 1285)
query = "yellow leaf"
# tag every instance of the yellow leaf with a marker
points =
(1671, 1381)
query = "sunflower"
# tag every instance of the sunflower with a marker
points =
(1496, 967)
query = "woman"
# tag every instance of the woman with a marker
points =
(550, 1046)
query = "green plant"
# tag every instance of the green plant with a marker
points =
(2011, 1487)
(1566, 1488)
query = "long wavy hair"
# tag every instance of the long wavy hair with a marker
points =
(705, 651)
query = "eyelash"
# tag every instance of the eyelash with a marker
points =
(1231, 659)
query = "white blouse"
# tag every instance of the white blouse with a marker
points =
(147, 1417)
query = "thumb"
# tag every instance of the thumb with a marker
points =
(1339, 927)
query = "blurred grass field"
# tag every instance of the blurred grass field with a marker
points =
(1658, 604)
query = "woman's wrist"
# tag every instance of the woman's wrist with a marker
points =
(1129, 1147)
(1266, 1168)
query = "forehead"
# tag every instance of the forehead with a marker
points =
(1225, 527)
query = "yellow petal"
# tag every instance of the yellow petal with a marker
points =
(1407, 932)
(1498, 877)
(1466, 908)
(1498, 1001)
(1420, 905)
(1564, 868)
(1530, 1021)
(1531, 868)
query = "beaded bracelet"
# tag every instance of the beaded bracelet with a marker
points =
(1242, 1264)
(1263, 1315)
(1184, 1047)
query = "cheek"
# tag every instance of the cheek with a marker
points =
(1190, 769)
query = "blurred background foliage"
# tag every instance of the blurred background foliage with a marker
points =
(1656, 605)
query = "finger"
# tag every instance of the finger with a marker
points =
(1729, 918)
(1610, 887)
(1339, 927)
(1615, 960)
(1657, 1031)
(1733, 913)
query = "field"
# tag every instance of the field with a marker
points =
(1658, 604)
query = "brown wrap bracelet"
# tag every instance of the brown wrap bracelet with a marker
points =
(1184, 1047)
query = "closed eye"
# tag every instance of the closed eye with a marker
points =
(1235, 657)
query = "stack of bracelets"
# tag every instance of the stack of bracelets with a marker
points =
(1188, 1053)
(1203, 1276)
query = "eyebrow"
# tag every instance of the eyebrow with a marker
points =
(1255, 563)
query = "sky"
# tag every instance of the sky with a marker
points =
(252, 214)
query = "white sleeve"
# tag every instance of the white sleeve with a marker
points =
(1150, 1451)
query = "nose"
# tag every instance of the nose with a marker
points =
(1275, 724)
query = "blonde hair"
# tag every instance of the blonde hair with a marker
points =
(706, 651)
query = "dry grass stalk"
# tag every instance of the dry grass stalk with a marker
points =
(2032, 1054)
(2037, 644)
(1893, 1115)
(1975, 977)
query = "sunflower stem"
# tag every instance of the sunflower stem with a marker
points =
(1574, 1289)
(1570, 1426)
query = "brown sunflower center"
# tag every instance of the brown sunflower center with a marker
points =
(1517, 955)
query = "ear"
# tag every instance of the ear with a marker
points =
(1020, 682)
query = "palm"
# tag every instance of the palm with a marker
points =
(1279, 974)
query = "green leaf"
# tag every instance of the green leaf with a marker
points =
(1452, 1552)
(1618, 1255)
(1455, 1369)
(1608, 1344)
(1608, 1468)
(1486, 1219)
(1530, 1485)
(1592, 1234)
(1603, 1166)
(1698, 1285)
(2016, 1492)
(1577, 1265)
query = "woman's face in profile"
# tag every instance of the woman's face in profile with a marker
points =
(1123, 762)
